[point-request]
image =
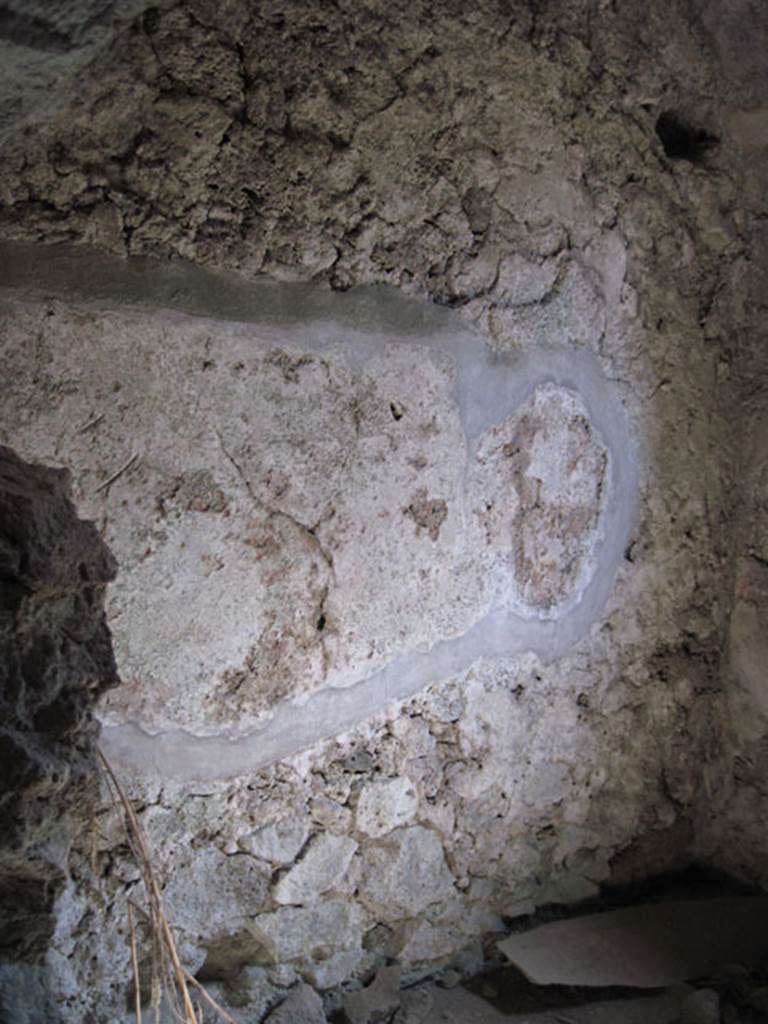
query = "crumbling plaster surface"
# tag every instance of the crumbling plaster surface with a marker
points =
(500, 159)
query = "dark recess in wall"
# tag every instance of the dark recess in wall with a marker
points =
(682, 140)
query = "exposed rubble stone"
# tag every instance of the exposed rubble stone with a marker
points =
(386, 805)
(210, 894)
(330, 814)
(404, 873)
(321, 929)
(278, 843)
(428, 943)
(302, 1006)
(322, 867)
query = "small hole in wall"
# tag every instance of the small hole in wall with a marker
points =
(321, 624)
(151, 20)
(397, 410)
(682, 140)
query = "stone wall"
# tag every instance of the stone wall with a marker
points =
(575, 180)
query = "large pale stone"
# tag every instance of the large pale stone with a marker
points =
(318, 931)
(279, 481)
(384, 806)
(405, 874)
(322, 867)
(214, 893)
(279, 842)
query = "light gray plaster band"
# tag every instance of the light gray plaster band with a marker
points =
(488, 389)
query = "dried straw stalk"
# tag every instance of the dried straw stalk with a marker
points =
(163, 943)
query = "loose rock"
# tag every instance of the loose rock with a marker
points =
(302, 1006)
(406, 874)
(278, 843)
(321, 868)
(384, 806)
(376, 1002)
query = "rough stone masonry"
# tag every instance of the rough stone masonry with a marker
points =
(578, 182)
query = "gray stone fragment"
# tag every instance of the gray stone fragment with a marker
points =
(415, 1005)
(406, 874)
(329, 971)
(279, 842)
(386, 805)
(321, 868)
(330, 814)
(376, 1002)
(302, 1006)
(320, 930)
(215, 894)
(701, 1007)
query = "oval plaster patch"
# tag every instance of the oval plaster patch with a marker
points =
(538, 481)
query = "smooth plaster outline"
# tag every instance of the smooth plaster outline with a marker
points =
(488, 388)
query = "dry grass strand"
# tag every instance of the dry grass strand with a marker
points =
(165, 957)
